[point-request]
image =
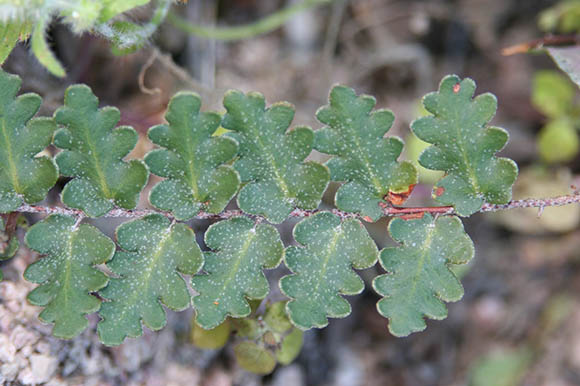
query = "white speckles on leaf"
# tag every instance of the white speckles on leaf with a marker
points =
(419, 278)
(67, 275)
(233, 269)
(153, 252)
(363, 157)
(193, 160)
(464, 147)
(23, 176)
(323, 268)
(93, 150)
(271, 159)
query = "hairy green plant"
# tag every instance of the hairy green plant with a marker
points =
(202, 173)
(21, 20)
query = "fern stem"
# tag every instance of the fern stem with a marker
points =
(391, 211)
(267, 24)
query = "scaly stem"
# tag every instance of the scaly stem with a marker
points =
(389, 211)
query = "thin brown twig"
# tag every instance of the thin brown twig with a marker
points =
(550, 40)
(390, 211)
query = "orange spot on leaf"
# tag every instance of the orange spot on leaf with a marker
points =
(367, 219)
(456, 88)
(216, 303)
(439, 191)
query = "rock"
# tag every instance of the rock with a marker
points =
(43, 367)
(7, 349)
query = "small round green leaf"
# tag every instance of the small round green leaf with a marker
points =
(552, 93)
(255, 359)
(210, 339)
(290, 347)
(558, 141)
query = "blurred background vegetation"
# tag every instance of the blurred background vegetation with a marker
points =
(519, 322)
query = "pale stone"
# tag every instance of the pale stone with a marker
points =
(7, 349)
(43, 367)
(21, 337)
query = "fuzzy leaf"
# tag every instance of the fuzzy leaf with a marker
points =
(464, 147)
(67, 275)
(93, 153)
(23, 176)
(364, 159)
(240, 250)
(41, 49)
(192, 161)
(271, 159)
(111, 8)
(11, 32)
(419, 277)
(323, 268)
(154, 252)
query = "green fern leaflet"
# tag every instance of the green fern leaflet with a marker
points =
(24, 177)
(192, 161)
(419, 277)
(154, 252)
(323, 268)
(363, 157)
(271, 159)
(67, 275)
(464, 147)
(93, 150)
(233, 269)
